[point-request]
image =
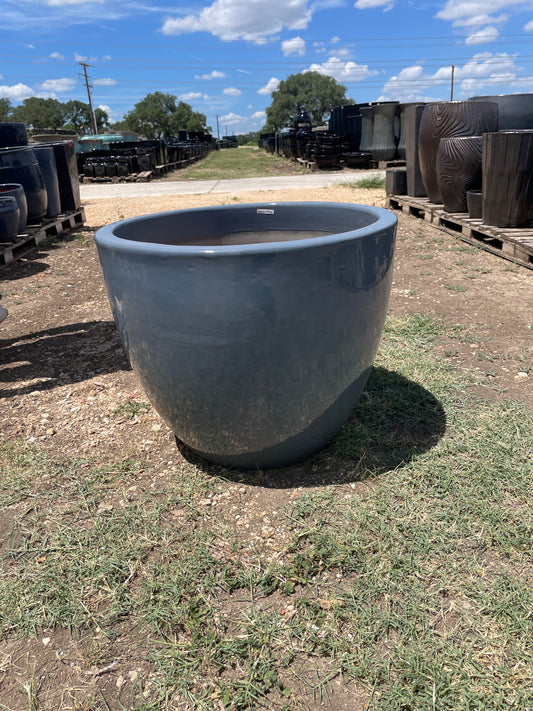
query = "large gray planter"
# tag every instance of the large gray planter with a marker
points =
(252, 327)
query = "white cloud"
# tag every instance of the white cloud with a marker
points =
(232, 91)
(232, 119)
(114, 115)
(58, 85)
(529, 26)
(271, 85)
(259, 115)
(368, 4)
(104, 82)
(80, 57)
(214, 75)
(17, 92)
(60, 3)
(56, 55)
(296, 45)
(486, 34)
(475, 13)
(250, 20)
(342, 71)
(483, 70)
(106, 57)
(191, 95)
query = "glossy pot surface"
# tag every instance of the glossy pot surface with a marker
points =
(9, 219)
(47, 163)
(19, 165)
(17, 191)
(252, 327)
(13, 133)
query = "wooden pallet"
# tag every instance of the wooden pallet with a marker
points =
(36, 234)
(515, 244)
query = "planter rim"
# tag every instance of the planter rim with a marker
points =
(106, 237)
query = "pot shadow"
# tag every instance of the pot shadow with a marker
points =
(395, 420)
(56, 356)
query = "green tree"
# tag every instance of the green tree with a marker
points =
(158, 115)
(312, 92)
(5, 109)
(102, 119)
(78, 116)
(40, 114)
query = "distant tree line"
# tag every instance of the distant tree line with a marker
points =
(50, 115)
(159, 115)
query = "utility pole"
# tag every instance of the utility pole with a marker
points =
(218, 131)
(93, 117)
(451, 92)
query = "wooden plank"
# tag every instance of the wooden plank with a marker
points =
(515, 244)
(36, 234)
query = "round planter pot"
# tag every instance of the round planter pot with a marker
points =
(13, 133)
(474, 202)
(19, 165)
(47, 163)
(17, 191)
(252, 327)
(9, 219)
(458, 170)
(448, 119)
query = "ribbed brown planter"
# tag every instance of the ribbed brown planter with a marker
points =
(447, 119)
(415, 184)
(458, 170)
(508, 178)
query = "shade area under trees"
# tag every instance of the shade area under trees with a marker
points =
(312, 92)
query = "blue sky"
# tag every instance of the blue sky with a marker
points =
(224, 57)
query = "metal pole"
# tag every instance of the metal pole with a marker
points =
(451, 92)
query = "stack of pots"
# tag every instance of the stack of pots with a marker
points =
(19, 173)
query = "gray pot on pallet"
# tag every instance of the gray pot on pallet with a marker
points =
(252, 327)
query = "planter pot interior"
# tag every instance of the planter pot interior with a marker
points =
(252, 327)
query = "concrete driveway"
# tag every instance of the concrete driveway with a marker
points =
(197, 187)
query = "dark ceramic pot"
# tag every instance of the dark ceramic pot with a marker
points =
(447, 119)
(19, 165)
(47, 163)
(67, 174)
(13, 133)
(383, 146)
(9, 218)
(400, 130)
(412, 119)
(458, 170)
(252, 327)
(474, 203)
(508, 178)
(367, 128)
(17, 191)
(515, 111)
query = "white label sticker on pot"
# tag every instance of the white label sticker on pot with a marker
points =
(263, 211)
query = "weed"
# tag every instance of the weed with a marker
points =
(375, 182)
(132, 408)
(455, 287)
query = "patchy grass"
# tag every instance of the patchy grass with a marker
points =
(242, 162)
(370, 183)
(407, 581)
